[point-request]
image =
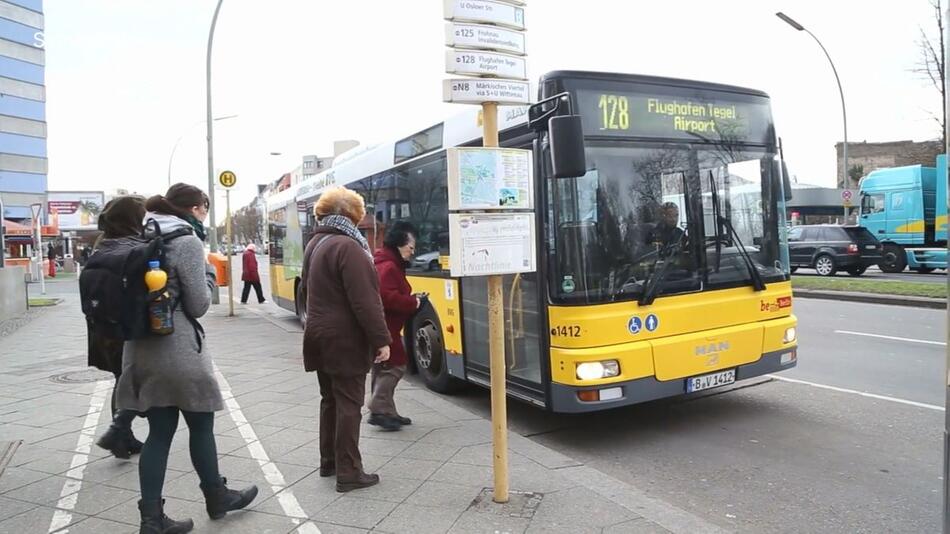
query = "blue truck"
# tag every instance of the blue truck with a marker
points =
(906, 209)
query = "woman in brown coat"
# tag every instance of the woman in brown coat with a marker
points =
(345, 331)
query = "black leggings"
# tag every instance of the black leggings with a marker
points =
(162, 424)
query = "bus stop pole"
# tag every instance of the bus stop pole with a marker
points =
(496, 343)
(229, 253)
(946, 374)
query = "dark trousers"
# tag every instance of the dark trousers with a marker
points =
(340, 413)
(121, 419)
(385, 378)
(247, 291)
(162, 424)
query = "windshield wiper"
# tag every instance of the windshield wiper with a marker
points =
(757, 281)
(717, 215)
(654, 280)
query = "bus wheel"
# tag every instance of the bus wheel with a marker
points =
(894, 259)
(429, 352)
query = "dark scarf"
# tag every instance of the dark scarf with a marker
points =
(199, 228)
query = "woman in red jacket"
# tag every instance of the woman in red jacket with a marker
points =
(399, 305)
(250, 276)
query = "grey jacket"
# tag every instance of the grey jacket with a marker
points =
(175, 370)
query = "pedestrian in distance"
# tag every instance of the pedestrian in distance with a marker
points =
(121, 225)
(250, 276)
(345, 332)
(399, 304)
(171, 375)
(51, 256)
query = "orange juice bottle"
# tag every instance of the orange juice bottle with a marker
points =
(159, 306)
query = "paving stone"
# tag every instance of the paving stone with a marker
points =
(355, 511)
(578, 506)
(95, 525)
(406, 518)
(392, 489)
(409, 468)
(35, 520)
(17, 477)
(444, 495)
(10, 507)
(481, 523)
(636, 526)
(382, 446)
(96, 498)
(45, 492)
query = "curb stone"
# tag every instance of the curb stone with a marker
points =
(873, 298)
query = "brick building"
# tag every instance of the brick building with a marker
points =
(873, 156)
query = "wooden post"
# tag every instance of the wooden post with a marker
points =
(227, 254)
(496, 343)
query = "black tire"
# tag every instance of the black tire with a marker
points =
(894, 259)
(428, 352)
(857, 271)
(925, 270)
(792, 269)
(300, 304)
(825, 265)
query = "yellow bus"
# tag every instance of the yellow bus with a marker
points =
(662, 271)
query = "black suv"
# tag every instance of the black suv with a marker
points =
(828, 249)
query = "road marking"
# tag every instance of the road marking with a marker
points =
(286, 498)
(70, 494)
(861, 393)
(894, 338)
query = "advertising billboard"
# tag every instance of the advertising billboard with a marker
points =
(75, 210)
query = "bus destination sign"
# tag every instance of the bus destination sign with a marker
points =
(704, 117)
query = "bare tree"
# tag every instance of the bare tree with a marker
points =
(933, 62)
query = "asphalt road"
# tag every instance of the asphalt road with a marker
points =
(787, 456)
(873, 273)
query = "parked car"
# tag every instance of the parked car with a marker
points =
(829, 249)
(428, 261)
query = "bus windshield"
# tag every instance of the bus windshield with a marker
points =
(652, 219)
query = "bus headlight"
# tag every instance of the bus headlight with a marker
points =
(790, 335)
(598, 370)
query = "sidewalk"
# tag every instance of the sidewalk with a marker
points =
(434, 474)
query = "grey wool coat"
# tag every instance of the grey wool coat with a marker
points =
(172, 371)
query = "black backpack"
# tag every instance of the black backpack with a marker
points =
(112, 285)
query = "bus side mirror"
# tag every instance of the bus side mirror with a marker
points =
(786, 182)
(566, 140)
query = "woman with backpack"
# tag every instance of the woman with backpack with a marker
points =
(121, 226)
(167, 376)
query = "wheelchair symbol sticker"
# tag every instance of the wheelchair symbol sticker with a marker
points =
(635, 325)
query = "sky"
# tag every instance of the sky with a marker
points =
(126, 78)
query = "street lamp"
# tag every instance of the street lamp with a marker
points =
(210, 123)
(791, 22)
(182, 136)
(37, 210)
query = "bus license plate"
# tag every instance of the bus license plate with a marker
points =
(699, 383)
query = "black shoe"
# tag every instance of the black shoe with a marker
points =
(115, 441)
(134, 445)
(385, 422)
(220, 500)
(404, 421)
(327, 470)
(154, 520)
(362, 481)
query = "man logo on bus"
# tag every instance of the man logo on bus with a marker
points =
(711, 348)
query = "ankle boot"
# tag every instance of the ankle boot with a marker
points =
(220, 500)
(134, 445)
(114, 441)
(154, 520)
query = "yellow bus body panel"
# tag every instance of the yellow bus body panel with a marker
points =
(695, 333)
(280, 287)
(443, 295)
